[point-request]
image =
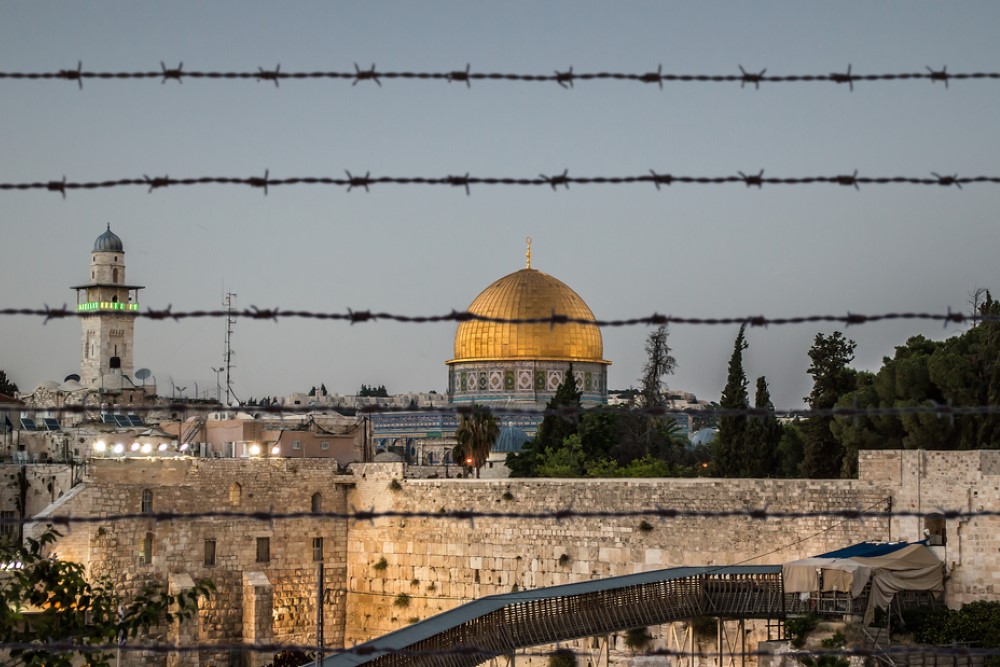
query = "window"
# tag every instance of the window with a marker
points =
(235, 491)
(146, 555)
(317, 549)
(935, 530)
(317, 502)
(296, 444)
(209, 553)
(147, 502)
(8, 530)
(324, 445)
(263, 549)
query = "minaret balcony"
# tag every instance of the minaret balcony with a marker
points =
(101, 306)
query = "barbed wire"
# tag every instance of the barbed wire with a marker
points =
(472, 650)
(466, 181)
(564, 78)
(363, 316)
(559, 515)
(931, 408)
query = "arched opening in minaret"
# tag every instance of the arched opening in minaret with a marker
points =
(115, 362)
(114, 275)
(114, 299)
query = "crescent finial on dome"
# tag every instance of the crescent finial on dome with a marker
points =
(527, 254)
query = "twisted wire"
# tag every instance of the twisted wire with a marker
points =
(565, 78)
(554, 181)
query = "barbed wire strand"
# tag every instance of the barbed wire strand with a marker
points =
(944, 410)
(564, 514)
(565, 78)
(328, 651)
(555, 181)
(364, 316)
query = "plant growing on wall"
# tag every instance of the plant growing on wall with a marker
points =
(402, 601)
(70, 614)
(562, 657)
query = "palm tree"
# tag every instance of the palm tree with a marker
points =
(476, 434)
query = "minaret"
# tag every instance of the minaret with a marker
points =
(108, 307)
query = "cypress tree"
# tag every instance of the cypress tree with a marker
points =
(730, 446)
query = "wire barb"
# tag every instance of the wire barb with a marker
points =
(939, 75)
(665, 179)
(358, 181)
(57, 186)
(654, 77)
(555, 181)
(266, 75)
(459, 75)
(848, 179)
(947, 180)
(157, 182)
(750, 77)
(461, 181)
(565, 79)
(365, 75)
(847, 78)
(73, 74)
(256, 182)
(176, 74)
(753, 179)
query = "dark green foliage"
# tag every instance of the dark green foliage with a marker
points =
(832, 380)
(659, 362)
(762, 436)
(730, 446)
(797, 627)
(963, 370)
(7, 386)
(312, 392)
(637, 639)
(476, 434)
(791, 450)
(373, 392)
(562, 657)
(292, 659)
(69, 609)
(976, 623)
(552, 432)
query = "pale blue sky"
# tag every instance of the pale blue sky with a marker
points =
(628, 250)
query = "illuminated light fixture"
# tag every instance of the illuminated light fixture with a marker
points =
(184, 447)
(162, 447)
(275, 450)
(147, 448)
(100, 446)
(118, 448)
(135, 446)
(255, 449)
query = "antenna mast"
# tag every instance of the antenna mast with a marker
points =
(230, 304)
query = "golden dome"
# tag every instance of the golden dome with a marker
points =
(528, 294)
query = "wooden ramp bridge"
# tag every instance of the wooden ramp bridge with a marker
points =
(500, 625)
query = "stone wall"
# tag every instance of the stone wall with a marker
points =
(117, 549)
(404, 569)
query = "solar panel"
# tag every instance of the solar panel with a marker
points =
(107, 419)
(51, 424)
(135, 420)
(121, 420)
(28, 424)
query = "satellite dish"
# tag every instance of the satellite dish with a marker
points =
(142, 373)
(71, 376)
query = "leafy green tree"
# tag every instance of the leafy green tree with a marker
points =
(659, 362)
(832, 379)
(569, 460)
(762, 436)
(476, 434)
(7, 386)
(791, 450)
(730, 446)
(46, 601)
(561, 420)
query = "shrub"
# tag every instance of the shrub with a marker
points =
(380, 564)
(562, 657)
(797, 627)
(637, 639)
(402, 601)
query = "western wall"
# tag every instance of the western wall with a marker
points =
(386, 572)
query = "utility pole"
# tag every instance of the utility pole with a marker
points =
(230, 304)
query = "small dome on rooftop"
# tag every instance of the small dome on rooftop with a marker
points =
(108, 242)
